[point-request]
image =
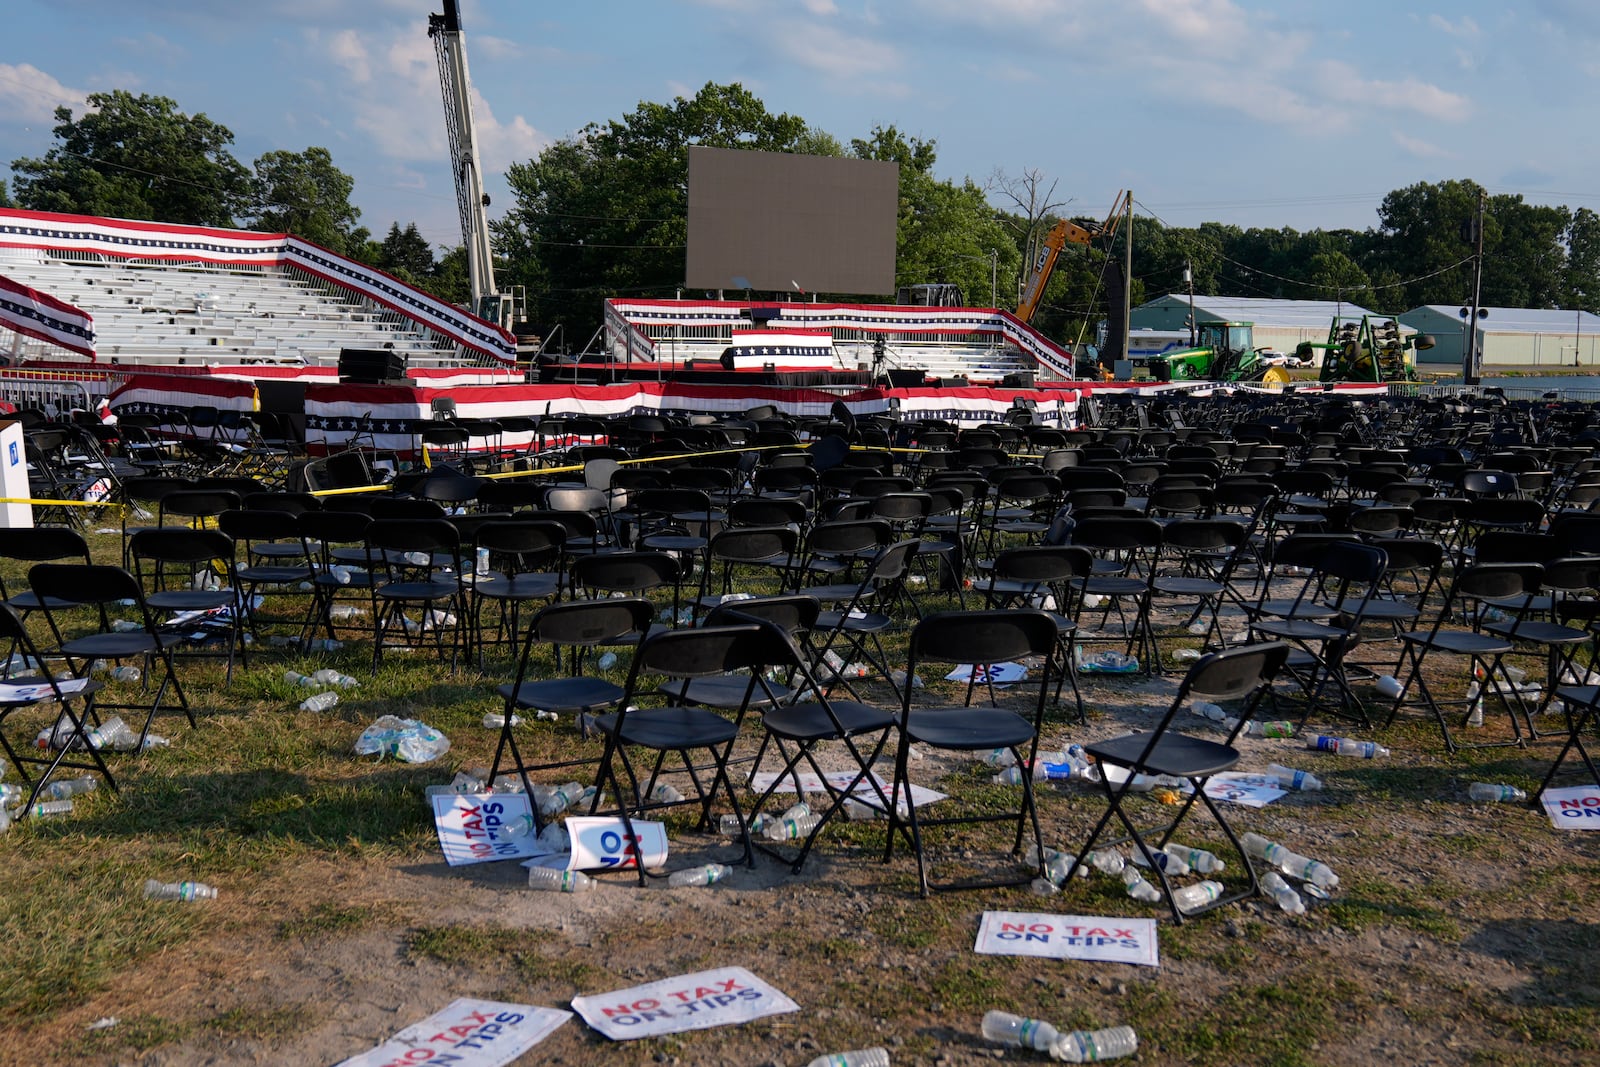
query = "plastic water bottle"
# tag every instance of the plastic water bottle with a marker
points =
(1194, 897)
(304, 681)
(606, 661)
(1346, 746)
(494, 720)
(861, 1057)
(666, 793)
(48, 807)
(729, 824)
(125, 673)
(1137, 887)
(857, 811)
(158, 890)
(561, 798)
(1279, 728)
(1092, 1046)
(554, 881)
(323, 644)
(796, 811)
(1175, 866)
(1058, 866)
(1107, 860)
(1198, 859)
(1288, 778)
(125, 626)
(1291, 863)
(706, 875)
(1019, 1032)
(320, 701)
(1282, 893)
(1207, 710)
(1493, 793)
(329, 676)
(70, 787)
(793, 829)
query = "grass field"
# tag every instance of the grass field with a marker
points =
(1459, 933)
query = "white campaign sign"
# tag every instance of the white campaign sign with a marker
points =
(920, 795)
(472, 827)
(1574, 808)
(1247, 790)
(700, 1001)
(600, 842)
(1068, 937)
(468, 1033)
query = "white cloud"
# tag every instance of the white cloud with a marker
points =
(819, 8)
(29, 95)
(394, 95)
(1465, 28)
(1416, 146)
(154, 47)
(1341, 82)
(494, 48)
(833, 52)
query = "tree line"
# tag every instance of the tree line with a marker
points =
(604, 211)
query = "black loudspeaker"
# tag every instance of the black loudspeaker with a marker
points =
(907, 378)
(1019, 380)
(370, 365)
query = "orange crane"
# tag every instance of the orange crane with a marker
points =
(1063, 233)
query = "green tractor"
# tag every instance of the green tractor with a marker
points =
(1362, 350)
(1226, 353)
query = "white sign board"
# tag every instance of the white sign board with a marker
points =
(472, 827)
(992, 673)
(1247, 790)
(601, 842)
(468, 1033)
(921, 796)
(723, 997)
(1574, 808)
(18, 693)
(1068, 937)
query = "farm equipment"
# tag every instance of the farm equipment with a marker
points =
(1226, 353)
(1362, 350)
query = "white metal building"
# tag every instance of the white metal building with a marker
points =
(1519, 337)
(1279, 324)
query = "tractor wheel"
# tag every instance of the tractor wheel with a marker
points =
(1275, 376)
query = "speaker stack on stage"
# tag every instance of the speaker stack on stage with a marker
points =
(371, 366)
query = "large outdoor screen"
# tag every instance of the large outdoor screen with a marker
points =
(774, 222)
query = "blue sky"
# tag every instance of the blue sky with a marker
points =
(1295, 113)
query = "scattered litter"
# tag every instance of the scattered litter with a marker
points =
(472, 1033)
(405, 739)
(105, 1022)
(992, 673)
(723, 997)
(1108, 662)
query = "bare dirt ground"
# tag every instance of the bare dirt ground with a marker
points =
(1459, 934)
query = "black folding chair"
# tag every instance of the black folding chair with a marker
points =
(1239, 676)
(979, 638)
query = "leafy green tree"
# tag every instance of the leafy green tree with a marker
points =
(605, 212)
(303, 193)
(1582, 283)
(136, 157)
(406, 254)
(5, 197)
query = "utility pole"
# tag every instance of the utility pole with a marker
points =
(1188, 277)
(1127, 283)
(1472, 358)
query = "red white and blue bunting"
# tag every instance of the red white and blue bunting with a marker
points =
(28, 311)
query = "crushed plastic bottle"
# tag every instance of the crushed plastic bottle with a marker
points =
(1108, 662)
(562, 797)
(898, 677)
(494, 720)
(320, 701)
(1282, 893)
(329, 676)
(729, 824)
(1107, 860)
(857, 811)
(155, 889)
(695, 876)
(1194, 897)
(606, 661)
(304, 681)
(1207, 710)
(342, 612)
(1493, 793)
(405, 739)
(1186, 655)
(1289, 778)
(1198, 859)
(1093, 1046)
(1291, 863)
(71, 787)
(1138, 888)
(1276, 728)
(666, 793)
(554, 881)
(1346, 746)
(323, 644)
(1019, 1032)
(861, 1057)
(1058, 866)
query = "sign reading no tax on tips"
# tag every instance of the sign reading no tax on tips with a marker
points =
(722, 997)
(472, 827)
(1068, 937)
(1575, 808)
(468, 1033)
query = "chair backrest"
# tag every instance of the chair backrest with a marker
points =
(982, 638)
(1235, 673)
(750, 544)
(626, 572)
(79, 583)
(795, 613)
(1047, 564)
(702, 651)
(588, 623)
(179, 545)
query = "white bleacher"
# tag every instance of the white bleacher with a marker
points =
(149, 313)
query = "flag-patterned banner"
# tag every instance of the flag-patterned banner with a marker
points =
(129, 239)
(28, 311)
(629, 323)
